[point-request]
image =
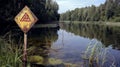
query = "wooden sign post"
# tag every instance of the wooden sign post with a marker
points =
(25, 20)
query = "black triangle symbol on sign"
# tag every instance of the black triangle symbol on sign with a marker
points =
(25, 18)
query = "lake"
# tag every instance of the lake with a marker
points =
(71, 45)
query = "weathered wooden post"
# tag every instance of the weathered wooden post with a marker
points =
(25, 47)
(25, 20)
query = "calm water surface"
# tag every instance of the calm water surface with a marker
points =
(73, 39)
(69, 42)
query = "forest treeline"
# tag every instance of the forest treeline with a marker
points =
(109, 11)
(45, 10)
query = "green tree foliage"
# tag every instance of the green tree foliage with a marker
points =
(45, 10)
(109, 11)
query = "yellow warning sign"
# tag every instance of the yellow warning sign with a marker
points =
(25, 19)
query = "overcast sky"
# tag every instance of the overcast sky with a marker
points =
(65, 5)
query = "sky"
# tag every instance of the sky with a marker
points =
(65, 5)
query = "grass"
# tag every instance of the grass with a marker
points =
(97, 55)
(10, 55)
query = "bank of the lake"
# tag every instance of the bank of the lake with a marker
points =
(94, 22)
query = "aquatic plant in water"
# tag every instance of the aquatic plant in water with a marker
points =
(97, 54)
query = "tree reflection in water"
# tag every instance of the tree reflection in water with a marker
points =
(39, 44)
(40, 41)
(108, 35)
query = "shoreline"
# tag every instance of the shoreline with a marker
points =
(94, 22)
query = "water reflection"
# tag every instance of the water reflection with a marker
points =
(39, 45)
(75, 37)
(108, 35)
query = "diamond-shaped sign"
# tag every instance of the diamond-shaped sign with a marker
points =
(25, 19)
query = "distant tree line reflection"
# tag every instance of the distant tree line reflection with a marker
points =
(108, 35)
